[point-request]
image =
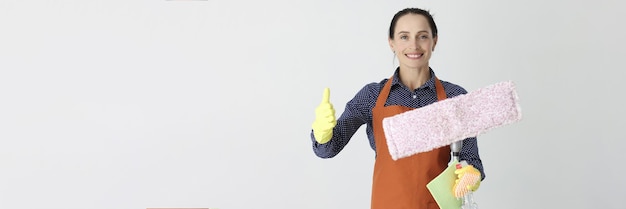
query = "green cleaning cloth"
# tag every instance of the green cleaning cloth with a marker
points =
(441, 188)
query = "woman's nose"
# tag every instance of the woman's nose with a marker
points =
(415, 44)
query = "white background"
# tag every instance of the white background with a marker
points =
(154, 103)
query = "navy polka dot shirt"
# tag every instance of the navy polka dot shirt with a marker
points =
(358, 111)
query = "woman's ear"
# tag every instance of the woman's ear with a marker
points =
(435, 43)
(391, 45)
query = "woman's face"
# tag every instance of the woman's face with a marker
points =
(413, 42)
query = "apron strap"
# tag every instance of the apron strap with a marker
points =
(384, 93)
(441, 93)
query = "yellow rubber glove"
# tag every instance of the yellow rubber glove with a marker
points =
(469, 177)
(324, 119)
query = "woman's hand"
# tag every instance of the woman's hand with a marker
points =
(324, 119)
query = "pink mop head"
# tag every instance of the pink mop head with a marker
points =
(454, 119)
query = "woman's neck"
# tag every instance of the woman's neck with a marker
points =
(413, 78)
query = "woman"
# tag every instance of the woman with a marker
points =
(402, 183)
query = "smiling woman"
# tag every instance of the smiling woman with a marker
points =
(412, 37)
(396, 184)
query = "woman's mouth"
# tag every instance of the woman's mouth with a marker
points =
(414, 56)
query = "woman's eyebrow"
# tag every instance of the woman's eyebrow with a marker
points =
(421, 31)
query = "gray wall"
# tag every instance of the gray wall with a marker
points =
(138, 104)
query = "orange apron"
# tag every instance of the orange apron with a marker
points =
(401, 184)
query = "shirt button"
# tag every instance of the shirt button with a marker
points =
(414, 96)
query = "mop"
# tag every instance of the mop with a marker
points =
(450, 120)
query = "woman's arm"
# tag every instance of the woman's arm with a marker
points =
(469, 153)
(357, 112)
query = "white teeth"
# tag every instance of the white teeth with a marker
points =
(414, 55)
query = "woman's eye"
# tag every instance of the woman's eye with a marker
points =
(404, 37)
(424, 37)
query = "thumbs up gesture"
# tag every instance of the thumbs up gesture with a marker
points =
(324, 119)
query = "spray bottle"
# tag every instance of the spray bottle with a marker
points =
(468, 198)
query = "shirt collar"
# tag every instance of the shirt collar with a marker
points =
(430, 83)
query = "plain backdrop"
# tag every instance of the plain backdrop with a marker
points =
(154, 103)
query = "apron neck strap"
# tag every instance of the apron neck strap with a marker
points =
(441, 93)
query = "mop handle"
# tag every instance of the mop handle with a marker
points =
(455, 148)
